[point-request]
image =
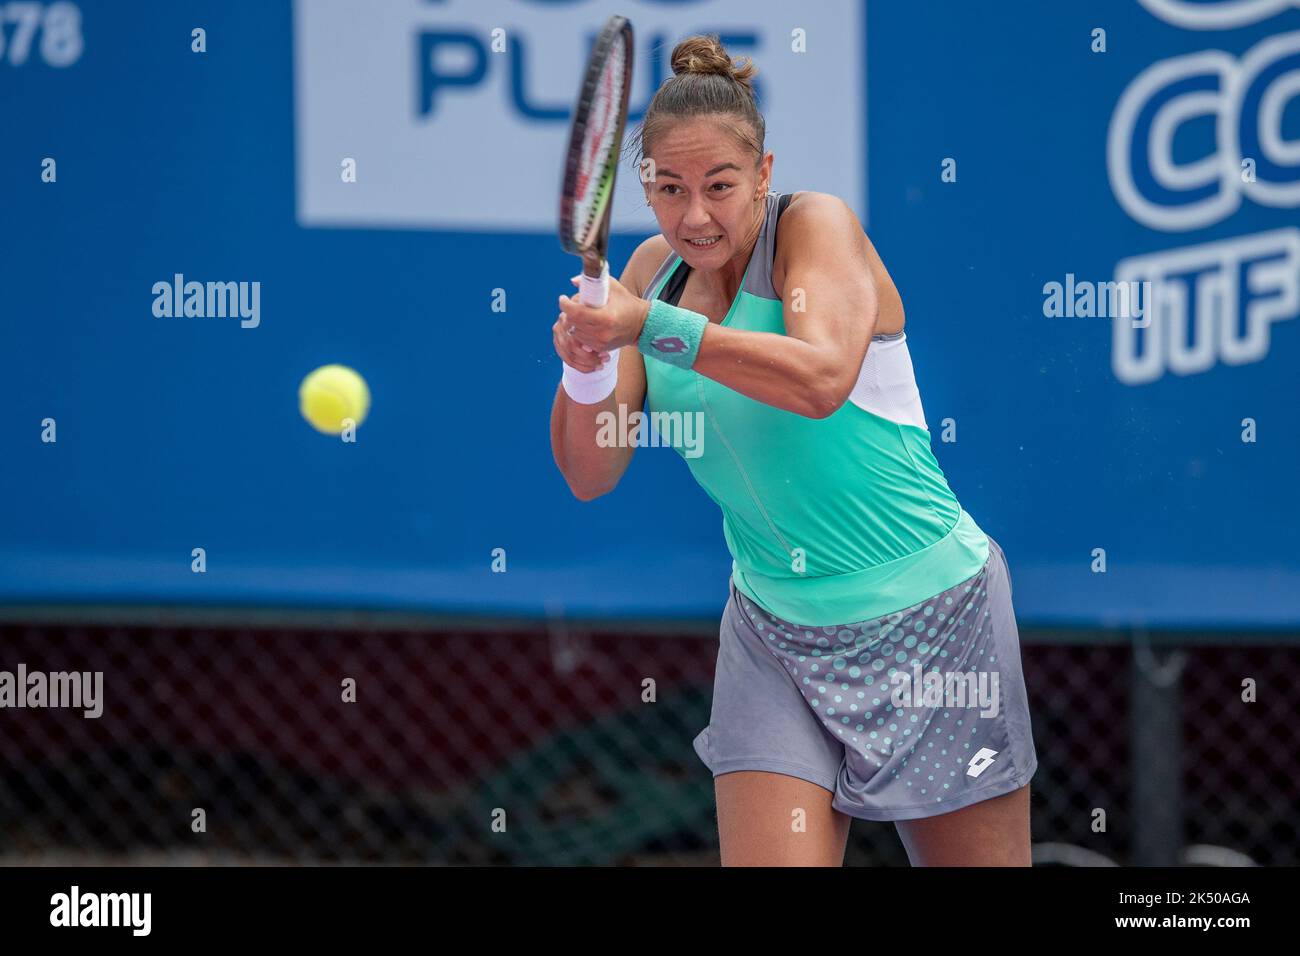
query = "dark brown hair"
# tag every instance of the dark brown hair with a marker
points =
(705, 82)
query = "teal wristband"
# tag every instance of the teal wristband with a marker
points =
(671, 334)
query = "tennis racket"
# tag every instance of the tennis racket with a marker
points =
(591, 161)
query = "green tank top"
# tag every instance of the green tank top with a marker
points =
(829, 521)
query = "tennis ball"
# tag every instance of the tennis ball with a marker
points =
(330, 394)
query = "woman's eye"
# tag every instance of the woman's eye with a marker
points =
(673, 186)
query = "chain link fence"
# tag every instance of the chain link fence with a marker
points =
(283, 744)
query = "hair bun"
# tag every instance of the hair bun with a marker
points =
(705, 54)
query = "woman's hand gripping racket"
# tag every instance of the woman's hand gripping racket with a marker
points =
(591, 162)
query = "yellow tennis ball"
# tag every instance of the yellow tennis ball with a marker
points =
(331, 394)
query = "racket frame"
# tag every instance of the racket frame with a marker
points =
(594, 283)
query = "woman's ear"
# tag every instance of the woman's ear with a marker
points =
(765, 173)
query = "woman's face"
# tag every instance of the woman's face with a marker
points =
(705, 186)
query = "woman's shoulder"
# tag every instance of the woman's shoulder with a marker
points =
(809, 214)
(645, 262)
(824, 214)
(815, 206)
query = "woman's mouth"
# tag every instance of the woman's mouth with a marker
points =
(705, 243)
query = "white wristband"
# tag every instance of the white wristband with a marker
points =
(588, 388)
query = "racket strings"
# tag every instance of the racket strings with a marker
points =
(598, 160)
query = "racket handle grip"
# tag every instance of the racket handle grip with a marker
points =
(595, 290)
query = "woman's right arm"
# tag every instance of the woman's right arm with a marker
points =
(589, 469)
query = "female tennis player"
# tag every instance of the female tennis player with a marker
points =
(869, 663)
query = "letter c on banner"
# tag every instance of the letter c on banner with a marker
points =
(1224, 15)
(1246, 100)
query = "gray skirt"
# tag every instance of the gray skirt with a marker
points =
(909, 715)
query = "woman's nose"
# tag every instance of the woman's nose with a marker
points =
(696, 214)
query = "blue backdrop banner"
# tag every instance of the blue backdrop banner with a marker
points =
(1090, 211)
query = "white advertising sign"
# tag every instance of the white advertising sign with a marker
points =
(454, 113)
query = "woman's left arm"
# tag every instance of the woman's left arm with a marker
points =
(829, 305)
